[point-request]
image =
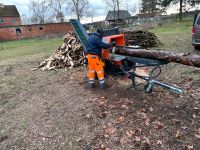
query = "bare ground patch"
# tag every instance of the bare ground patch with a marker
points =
(56, 112)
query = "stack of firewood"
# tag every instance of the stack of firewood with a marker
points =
(70, 54)
(141, 38)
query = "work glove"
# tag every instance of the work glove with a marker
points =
(113, 43)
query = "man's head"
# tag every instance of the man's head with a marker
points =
(100, 31)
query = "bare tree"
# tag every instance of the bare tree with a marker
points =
(182, 4)
(38, 11)
(131, 6)
(25, 19)
(150, 6)
(91, 14)
(58, 7)
(79, 7)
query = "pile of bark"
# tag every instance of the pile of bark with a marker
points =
(141, 38)
(70, 54)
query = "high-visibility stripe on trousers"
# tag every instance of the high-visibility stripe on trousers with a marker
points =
(95, 65)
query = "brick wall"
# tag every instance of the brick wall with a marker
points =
(33, 31)
(10, 21)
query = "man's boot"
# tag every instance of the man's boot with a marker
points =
(91, 84)
(103, 84)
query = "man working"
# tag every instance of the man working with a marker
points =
(95, 63)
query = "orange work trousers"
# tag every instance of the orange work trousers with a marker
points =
(95, 65)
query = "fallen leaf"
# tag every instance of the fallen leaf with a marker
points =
(158, 125)
(190, 147)
(177, 134)
(110, 131)
(32, 69)
(194, 116)
(143, 110)
(196, 108)
(130, 133)
(147, 122)
(112, 106)
(145, 140)
(137, 138)
(198, 131)
(123, 140)
(125, 107)
(159, 142)
(151, 109)
(88, 116)
(103, 146)
(184, 127)
(103, 114)
(79, 139)
(138, 130)
(197, 136)
(127, 101)
(176, 121)
(144, 101)
(101, 103)
(120, 119)
(145, 117)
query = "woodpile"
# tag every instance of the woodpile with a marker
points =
(141, 38)
(70, 54)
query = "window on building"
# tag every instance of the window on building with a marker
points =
(41, 28)
(30, 28)
(18, 31)
(14, 20)
(1, 20)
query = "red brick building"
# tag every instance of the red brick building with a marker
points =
(11, 27)
(9, 15)
(34, 31)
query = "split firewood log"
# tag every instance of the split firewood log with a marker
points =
(70, 54)
(142, 38)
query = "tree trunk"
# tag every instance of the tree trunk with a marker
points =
(181, 10)
(114, 17)
(117, 10)
(182, 58)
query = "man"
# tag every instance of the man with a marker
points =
(95, 63)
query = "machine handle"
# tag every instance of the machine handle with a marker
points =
(151, 83)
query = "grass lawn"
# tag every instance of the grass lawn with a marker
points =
(176, 36)
(27, 49)
(184, 26)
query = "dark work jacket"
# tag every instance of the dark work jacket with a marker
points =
(95, 44)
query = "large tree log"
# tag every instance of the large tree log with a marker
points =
(182, 58)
